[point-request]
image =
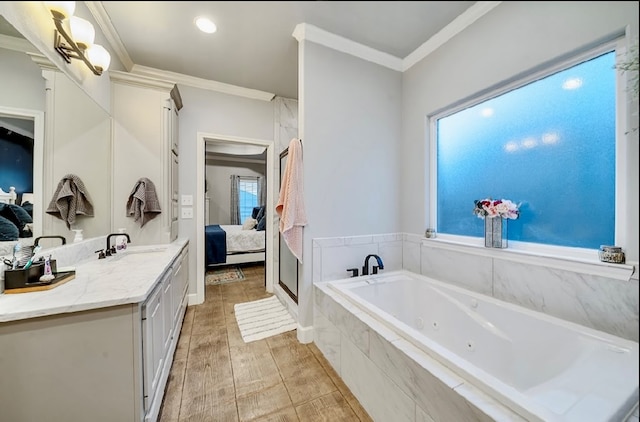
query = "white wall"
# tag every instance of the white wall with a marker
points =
(513, 38)
(223, 114)
(350, 124)
(218, 179)
(21, 82)
(81, 145)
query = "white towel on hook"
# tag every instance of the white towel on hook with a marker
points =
(290, 205)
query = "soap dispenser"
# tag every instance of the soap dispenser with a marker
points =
(78, 235)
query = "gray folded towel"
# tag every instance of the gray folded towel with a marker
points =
(143, 204)
(70, 199)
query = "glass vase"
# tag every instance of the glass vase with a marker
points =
(495, 232)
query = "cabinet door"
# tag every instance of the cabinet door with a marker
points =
(174, 197)
(175, 132)
(167, 306)
(153, 344)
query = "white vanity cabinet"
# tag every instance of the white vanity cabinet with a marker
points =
(162, 316)
(81, 361)
(153, 342)
(145, 113)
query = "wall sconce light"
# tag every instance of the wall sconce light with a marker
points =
(79, 45)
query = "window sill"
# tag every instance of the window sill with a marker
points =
(569, 259)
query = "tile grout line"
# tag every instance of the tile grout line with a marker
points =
(233, 378)
(184, 375)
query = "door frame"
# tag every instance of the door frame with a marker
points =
(270, 244)
(39, 163)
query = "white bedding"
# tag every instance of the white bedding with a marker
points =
(6, 247)
(239, 240)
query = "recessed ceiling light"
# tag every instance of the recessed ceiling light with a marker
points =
(205, 25)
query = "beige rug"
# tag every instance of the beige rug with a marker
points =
(263, 318)
(223, 275)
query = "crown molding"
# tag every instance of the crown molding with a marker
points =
(17, 44)
(101, 16)
(208, 84)
(141, 80)
(307, 32)
(456, 26)
(43, 61)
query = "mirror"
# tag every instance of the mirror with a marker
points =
(287, 262)
(71, 135)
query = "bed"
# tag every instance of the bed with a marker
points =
(230, 244)
(236, 244)
(16, 222)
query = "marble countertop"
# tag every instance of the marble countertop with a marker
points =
(124, 278)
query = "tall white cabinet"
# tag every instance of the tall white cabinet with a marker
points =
(145, 145)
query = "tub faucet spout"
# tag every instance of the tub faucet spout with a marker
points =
(365, 268)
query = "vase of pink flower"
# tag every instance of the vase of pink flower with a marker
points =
(495, 213)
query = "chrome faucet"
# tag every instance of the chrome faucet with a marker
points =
(112, 249)
(365, 269)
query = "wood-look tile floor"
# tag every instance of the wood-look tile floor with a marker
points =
(215, 376)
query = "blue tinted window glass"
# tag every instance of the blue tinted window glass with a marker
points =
(549, 145)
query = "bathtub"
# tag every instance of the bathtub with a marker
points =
(539, 367)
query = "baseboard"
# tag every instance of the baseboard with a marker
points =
(193, 299)
(305, 334)
(286, 300)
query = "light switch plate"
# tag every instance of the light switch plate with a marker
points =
(187, 213)
(187, 200)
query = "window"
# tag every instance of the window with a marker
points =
(549, 144)
(248, 197)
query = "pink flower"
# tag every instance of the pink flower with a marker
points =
(490, 208)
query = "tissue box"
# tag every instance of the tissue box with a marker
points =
(14, 279)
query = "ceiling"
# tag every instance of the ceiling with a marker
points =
(253, 46)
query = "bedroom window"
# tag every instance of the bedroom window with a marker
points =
(248, 196)
(548, 143)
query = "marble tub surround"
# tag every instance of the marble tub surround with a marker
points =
(332, 256)
(591, 293)
(596, 295)
(125, 278)
(390, 377)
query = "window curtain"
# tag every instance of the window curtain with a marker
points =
(262, 191)
(234, 211)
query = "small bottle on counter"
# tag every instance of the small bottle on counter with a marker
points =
(48, 274)
(121, 241)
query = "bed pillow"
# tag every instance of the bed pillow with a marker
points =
(28, 207)
(254, 213)
(8, 230)
(260, 214)
(262, 224)
(249, 223)
(17, 215)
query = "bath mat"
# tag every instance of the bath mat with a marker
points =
(223, 275)
(263, 318)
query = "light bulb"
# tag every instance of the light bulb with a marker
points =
(99, 57)
(82, 32)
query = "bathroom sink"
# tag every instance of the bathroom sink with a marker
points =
(138, 253)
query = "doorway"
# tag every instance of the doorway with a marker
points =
(204, 139)
(16, 119)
